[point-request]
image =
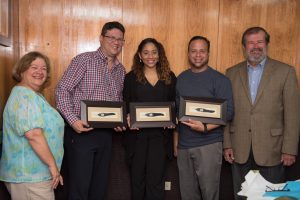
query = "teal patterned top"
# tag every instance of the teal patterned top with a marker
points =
(24, 111)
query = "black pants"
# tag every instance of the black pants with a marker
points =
(88, 157)
(273, 174)
(148, 166)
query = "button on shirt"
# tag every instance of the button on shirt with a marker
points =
(254, 76)
(88, 78)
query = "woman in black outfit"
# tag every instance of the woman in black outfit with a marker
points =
(147, 149)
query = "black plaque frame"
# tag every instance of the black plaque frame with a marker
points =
(152, 114)
(103, 114)
(206, 110)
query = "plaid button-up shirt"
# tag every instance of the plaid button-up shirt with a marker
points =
(88, 78)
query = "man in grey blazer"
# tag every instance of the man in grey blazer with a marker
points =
(264, 133)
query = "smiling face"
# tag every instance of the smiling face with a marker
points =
(255, 47)
(149, 55)
(112, 42)
(35, 76)
(198, 55)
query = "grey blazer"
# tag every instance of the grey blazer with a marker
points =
(271, 125)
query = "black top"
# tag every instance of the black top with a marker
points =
(135, 91)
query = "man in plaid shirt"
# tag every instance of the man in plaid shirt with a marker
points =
(96, 75)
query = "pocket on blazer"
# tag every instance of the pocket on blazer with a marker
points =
(276, 132)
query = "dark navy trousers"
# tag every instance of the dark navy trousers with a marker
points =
(88, 156)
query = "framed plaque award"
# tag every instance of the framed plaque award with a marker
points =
(152, 114)
(206, 110)
(103, 114)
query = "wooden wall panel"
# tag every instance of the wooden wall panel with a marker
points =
(8, 57)
(279, 18)
(6, 63)
(173, 23)
(202, 19)
(64, 28)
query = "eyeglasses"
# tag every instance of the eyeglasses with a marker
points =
(280, 189)
(113, 39)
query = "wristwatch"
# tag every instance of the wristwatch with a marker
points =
(205, 128)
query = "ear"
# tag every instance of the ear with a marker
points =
(140, 56)
(21, 76)
(101, 38)
(244, 47)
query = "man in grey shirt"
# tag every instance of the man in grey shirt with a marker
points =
(198, 146)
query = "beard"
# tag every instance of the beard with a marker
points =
(256, 58)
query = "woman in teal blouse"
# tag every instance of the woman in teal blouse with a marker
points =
(32, 134)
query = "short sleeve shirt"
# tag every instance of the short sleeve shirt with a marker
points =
(24, 111)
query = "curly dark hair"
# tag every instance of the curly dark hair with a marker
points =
(162, 66)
